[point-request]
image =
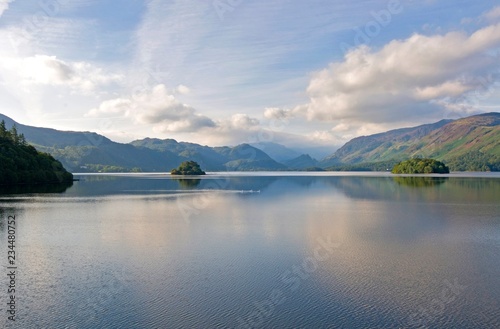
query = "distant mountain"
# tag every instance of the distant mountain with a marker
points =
(241, 157)
(57, 138)
(303, 161)
(277, 152)
(471, 143)
(91, 152)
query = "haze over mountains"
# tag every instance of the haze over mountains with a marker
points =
(471, 143)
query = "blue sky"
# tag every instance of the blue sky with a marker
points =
(223, 72)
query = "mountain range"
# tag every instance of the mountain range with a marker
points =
(471, 143)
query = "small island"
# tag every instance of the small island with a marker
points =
(188, 168)
(420, 166)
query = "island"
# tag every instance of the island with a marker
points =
(188, 168)
(22, 164)
(420, 166)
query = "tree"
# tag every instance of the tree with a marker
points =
(23, 164)
(3, 130)
(14, 135)
(22, 139)
(420, 166)
(188, 168)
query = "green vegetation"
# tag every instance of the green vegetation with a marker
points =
(475, 161)
(467, 144)
(21, 163)
(188, 168)
(368, 166)
(107, 169)
(420, 166)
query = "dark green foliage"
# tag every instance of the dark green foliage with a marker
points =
(370, 166)
(23, 164)
(188, 168)
(475, 161)
(420, 166)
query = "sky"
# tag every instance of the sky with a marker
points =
(223, 72)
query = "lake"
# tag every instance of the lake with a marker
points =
(256, 250)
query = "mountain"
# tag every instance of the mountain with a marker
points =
(382, 146)
(277, 152)
(241, 157)
(56, 138)
(91, 152)
(303, 161)
(471, 143)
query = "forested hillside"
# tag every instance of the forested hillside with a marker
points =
(21, 163)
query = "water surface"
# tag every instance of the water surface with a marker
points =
(252, 250)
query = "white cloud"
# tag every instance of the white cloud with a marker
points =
(157, 107)
(239, 121)
(112, 106)
(183, 90)
(404, 80)
(49, 70)
(4, 5)
(493, 14)
(446, 89)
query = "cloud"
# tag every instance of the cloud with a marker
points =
(112, 106)
(183, 90)
(404, 80)
(239, 121)
(493, 14)
(49, 70)
(4, 5)
(278, 113)
(157, 107)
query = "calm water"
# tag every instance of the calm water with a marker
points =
(257, 251)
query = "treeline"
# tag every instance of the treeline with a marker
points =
(98, 168)
(475, 161)
(369, 166)
(21, 163)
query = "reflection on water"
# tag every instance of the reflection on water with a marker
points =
(420, 181)
(189, 183)
(40, 188)
(150, 251)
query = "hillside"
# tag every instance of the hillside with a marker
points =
(21, 163)
(381, 147)
(91, 152)
(242, 157)
(471, 143)
(303, 161)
